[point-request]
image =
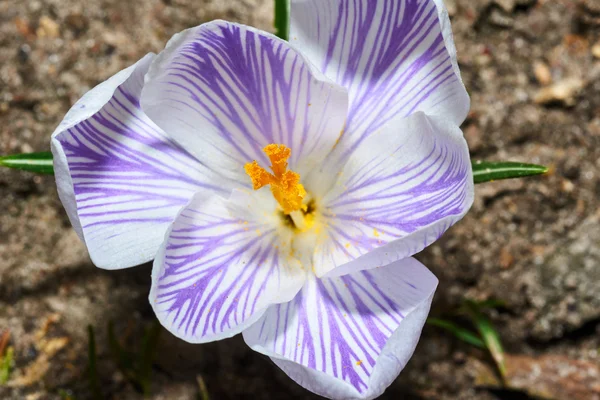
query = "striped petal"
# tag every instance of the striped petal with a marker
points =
(398, 193)
(348, 337)
(120, 178)
(225, 91)
(223, 263)
(395, 57)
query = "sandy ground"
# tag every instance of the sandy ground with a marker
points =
(533, 71)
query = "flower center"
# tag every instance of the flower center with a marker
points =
(285, 184)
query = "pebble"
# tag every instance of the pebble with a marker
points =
(596, 50)
(47, 28)
(542, 73)
(563, 92)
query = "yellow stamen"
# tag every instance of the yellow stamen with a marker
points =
(285, 185)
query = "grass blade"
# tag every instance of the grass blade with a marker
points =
(40, 163)
(6, 357)
(482, 171)
(282, 19)
(492, 171)
(146, 357)
(122, 358)
(6, 364)
(202, 390)
(92, 365)
(461, 333)
(488, 334)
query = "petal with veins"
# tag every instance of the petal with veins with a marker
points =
(222, 264)
(120, 178)
(397, 193)
(395, 57)
(348, 337)
(225, 91)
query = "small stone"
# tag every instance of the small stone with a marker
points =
(506, 5)
(473, 137)
(22, 26)
(509, 6)
(570, 266)
(567, 186)
(506, 258)
(47, 28)
(542, 73)
(77, 22)
(451, 7)
(563, 92)
(596, 50)
(571, 282)
(500, 19)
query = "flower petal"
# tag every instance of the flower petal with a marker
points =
(225, 91)
(398, 193)
(222, 264)
(120, 178)
(348, 337)
(395, 57)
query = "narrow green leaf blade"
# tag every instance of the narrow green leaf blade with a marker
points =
(489, 335)
(146, 356)
(94, 384)
(282, 18)
(461, 333)
(32, 162)
(6, 365)
(122, 357)
(484, 171)
(202, 390)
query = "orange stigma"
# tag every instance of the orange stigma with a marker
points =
(285, 185)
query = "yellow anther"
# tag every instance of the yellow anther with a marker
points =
(285, 185)
(278, 154)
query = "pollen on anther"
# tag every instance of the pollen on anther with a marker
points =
(285, 184)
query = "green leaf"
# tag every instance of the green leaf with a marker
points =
(492, 171)
(65, 395)
(122, 358)
(482, 171)
(282, 19)
(6, 364)
(488, 334)
(33, 162)
(490, 303)
(461, 333)
(146, 356)
(202, 390)
(92, 365)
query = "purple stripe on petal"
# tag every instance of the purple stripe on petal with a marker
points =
(400, 190)
(222, 264)
(227, 91)
(391, 55)
(341, 327)
(128, 177)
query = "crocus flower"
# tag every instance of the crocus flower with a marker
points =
(282, 188)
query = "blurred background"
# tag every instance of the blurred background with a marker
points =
(532, 245)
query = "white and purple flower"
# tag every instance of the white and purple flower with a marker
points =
(358, 118)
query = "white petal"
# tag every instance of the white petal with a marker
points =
(398, 192)
(395, 57)
(120, 178)
(225, 91)
(222, 264)
(348, 337)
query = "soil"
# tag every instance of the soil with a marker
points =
(533, 71)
